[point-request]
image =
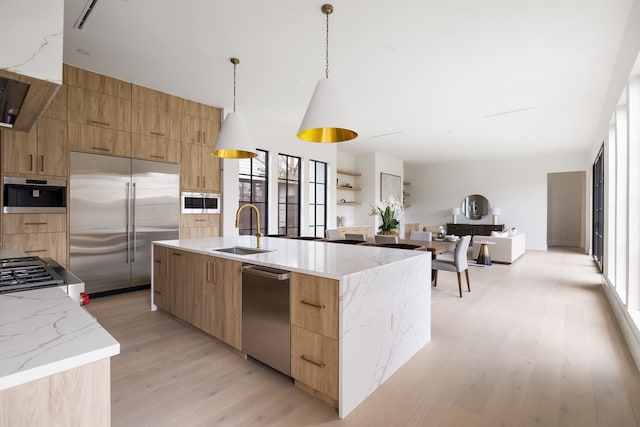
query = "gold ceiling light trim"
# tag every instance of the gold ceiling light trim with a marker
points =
(326, 119)
(234, 140)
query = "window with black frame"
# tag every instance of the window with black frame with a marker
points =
(254, 185)
(288, 195)
(317, 197)
(598, 208)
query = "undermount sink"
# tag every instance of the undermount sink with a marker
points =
(239, 250)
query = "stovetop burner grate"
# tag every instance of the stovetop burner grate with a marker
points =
(21, 277)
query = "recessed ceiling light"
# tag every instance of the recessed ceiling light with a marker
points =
(83, 52)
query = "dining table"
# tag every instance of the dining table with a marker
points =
(436, 247)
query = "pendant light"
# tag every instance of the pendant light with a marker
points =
(326, 119)
(234, 141)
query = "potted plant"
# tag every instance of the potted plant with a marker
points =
(389, 211)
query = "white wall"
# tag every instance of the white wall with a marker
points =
(517, 186)
(278, 138)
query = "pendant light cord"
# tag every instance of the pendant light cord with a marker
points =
(326, 71)
(234, 87)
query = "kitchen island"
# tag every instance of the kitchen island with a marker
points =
(54, 361)
(358, 313)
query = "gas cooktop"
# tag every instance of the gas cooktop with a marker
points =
(26, 273)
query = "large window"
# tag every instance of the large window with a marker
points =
(317, 197)
(254, 179)
(288, 195)
(598, 208)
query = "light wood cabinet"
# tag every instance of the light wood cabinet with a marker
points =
(93, 139)
(361, 229)
(34, 223)
(57, 108)
(154, 148)
(52, 245)
(76, 397)
(77, 77)
(179, 285)
(156, 122)
(199, 171)
(314, 361)
(227, 303)
(314, 333)
(155, 98)
(41, 151)
(196, 130)
(199, 225)
(98, 109)
(161, 257)
(203, 303)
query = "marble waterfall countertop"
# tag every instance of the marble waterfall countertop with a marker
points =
(319, 258)
(44, 332)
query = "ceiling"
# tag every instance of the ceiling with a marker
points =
(424, 81)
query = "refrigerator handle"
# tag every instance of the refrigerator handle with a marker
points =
(133, 224)
(127, 226)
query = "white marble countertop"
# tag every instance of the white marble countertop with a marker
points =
(44, 332)
(324, 259)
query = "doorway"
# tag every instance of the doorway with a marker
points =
(566, 209)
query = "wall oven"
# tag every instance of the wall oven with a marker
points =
(200, 203)
(27, 195)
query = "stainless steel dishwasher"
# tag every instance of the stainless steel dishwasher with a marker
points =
(266, 327)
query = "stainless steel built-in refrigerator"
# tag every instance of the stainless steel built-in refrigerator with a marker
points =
(117, 207)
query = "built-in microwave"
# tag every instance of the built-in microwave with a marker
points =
(27, 195)
(200, 203)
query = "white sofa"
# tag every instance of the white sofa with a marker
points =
(505, 250)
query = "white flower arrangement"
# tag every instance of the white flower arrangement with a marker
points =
(389, 211)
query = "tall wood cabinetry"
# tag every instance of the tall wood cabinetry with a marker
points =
(202, 290)
(99, 112)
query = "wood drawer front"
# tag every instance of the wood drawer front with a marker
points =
(200, 220)
(34, 223)
(156, 122)
(157, 149)
(197, 232)
(92, 139)
(97, 109)
(314, 304)
(314, 361)
(53, 245)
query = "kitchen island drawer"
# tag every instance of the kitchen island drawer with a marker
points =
(314, 304)
(314, 361)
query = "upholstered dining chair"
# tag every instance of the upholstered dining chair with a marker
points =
(332, 234)
(382, 238)
(458, 264)
(355, 236)
(425, 236)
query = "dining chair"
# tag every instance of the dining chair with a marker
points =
(332, 234)
(425, 236)
(355, 236)
(458, 264)
(382, 238)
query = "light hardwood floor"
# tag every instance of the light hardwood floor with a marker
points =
(534, 343)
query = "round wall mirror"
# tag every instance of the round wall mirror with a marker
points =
(475, 206)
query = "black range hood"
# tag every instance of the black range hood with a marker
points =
(12, 95)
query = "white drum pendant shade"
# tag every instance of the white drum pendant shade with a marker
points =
(234, 140)
(326, 119)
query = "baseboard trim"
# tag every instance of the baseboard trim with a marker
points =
(628, 326)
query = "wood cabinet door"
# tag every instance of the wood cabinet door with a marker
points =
(210, 180)
(152, 148)
(93, 139)
(197, 232)
(20, 151)
(156, 122)
(210, 131)
(34, 223)
(52, 245)
(190, 176)
(179, 288)
(97, 109)
(227, 281)
(53, 158)
(191, 129)
(161, 256)
(57, 108)
(203, 306)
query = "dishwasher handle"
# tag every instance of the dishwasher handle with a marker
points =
(271, 273)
